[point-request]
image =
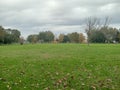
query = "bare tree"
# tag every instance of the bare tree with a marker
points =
(91, 24)
(107, 21)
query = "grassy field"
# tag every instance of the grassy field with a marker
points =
(60, 67)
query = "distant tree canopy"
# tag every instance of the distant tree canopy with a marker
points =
(97, 37)
(32, 38)
(42, 37)
(66, 39)
(46, 36)
(8, 36)
(72, 38)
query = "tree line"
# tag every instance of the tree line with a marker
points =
(48, 37)
(97, 32)
(8, 36)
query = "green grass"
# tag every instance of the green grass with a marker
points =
(60, 67)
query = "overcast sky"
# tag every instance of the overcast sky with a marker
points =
(59, 16)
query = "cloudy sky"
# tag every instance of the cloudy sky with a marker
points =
(59, 16)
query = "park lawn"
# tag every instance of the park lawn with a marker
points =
(60, 67)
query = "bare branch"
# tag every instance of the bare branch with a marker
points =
(107, 21)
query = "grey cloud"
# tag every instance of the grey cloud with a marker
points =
(32, 15)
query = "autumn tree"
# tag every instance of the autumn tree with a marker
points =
(61, 37)
(33, 38)
(64, 38)
(74, 37)
(81, 38)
